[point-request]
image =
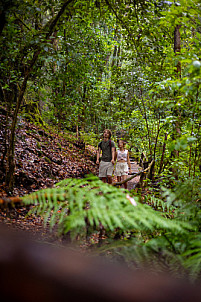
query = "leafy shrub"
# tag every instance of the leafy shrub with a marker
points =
(164, 234)
(75, 204)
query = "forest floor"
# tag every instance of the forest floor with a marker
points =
(43, 158)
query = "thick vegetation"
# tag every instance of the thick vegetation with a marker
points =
(133, 67)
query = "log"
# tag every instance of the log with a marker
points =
(10, 200)
(135, 174)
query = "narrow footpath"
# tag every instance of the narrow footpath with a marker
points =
(135, 169)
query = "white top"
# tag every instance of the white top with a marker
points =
(122, 155)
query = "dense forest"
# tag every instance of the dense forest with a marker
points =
(74, 68)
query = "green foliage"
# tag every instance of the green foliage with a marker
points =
(90, 138)
(112, 65)
(164, 238)
(79, 203)
(178, 253)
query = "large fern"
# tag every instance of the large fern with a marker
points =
(164, 235)
(179, 253)
(192, 256)
(75, 204)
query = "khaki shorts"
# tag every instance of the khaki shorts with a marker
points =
(105, 169)
(121, 169)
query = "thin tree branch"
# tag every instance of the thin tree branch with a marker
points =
(123, 23)
(55, 20)
(18, 19)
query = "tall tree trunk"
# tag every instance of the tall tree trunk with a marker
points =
(6, 135)
(147, 124)
(177, 50)
(49, 28)
(192, 130)
(163, 154)
(156, 140)
(177, 47)
(11, 149)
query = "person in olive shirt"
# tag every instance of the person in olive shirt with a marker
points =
(106, 166)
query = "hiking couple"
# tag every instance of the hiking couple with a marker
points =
(109, 156)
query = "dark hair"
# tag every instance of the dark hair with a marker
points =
(124, 143)
(110, 132)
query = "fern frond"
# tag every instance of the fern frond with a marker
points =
(73, 200)
(192, 255)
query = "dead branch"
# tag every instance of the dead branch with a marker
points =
(136, 174)
(10, 200)
(13, 200)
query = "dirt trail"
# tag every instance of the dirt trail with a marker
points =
(135, 169)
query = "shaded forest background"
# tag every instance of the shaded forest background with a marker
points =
(78, 67)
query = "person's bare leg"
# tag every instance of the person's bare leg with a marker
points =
(118, 180)
(124, 178)
(109, 179)
(104, 179)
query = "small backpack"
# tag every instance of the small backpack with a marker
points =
(110, 144)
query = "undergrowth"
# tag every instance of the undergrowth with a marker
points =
(162, 233)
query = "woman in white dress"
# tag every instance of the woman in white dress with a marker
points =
(123, 163)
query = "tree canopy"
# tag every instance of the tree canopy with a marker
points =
(88, 65)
